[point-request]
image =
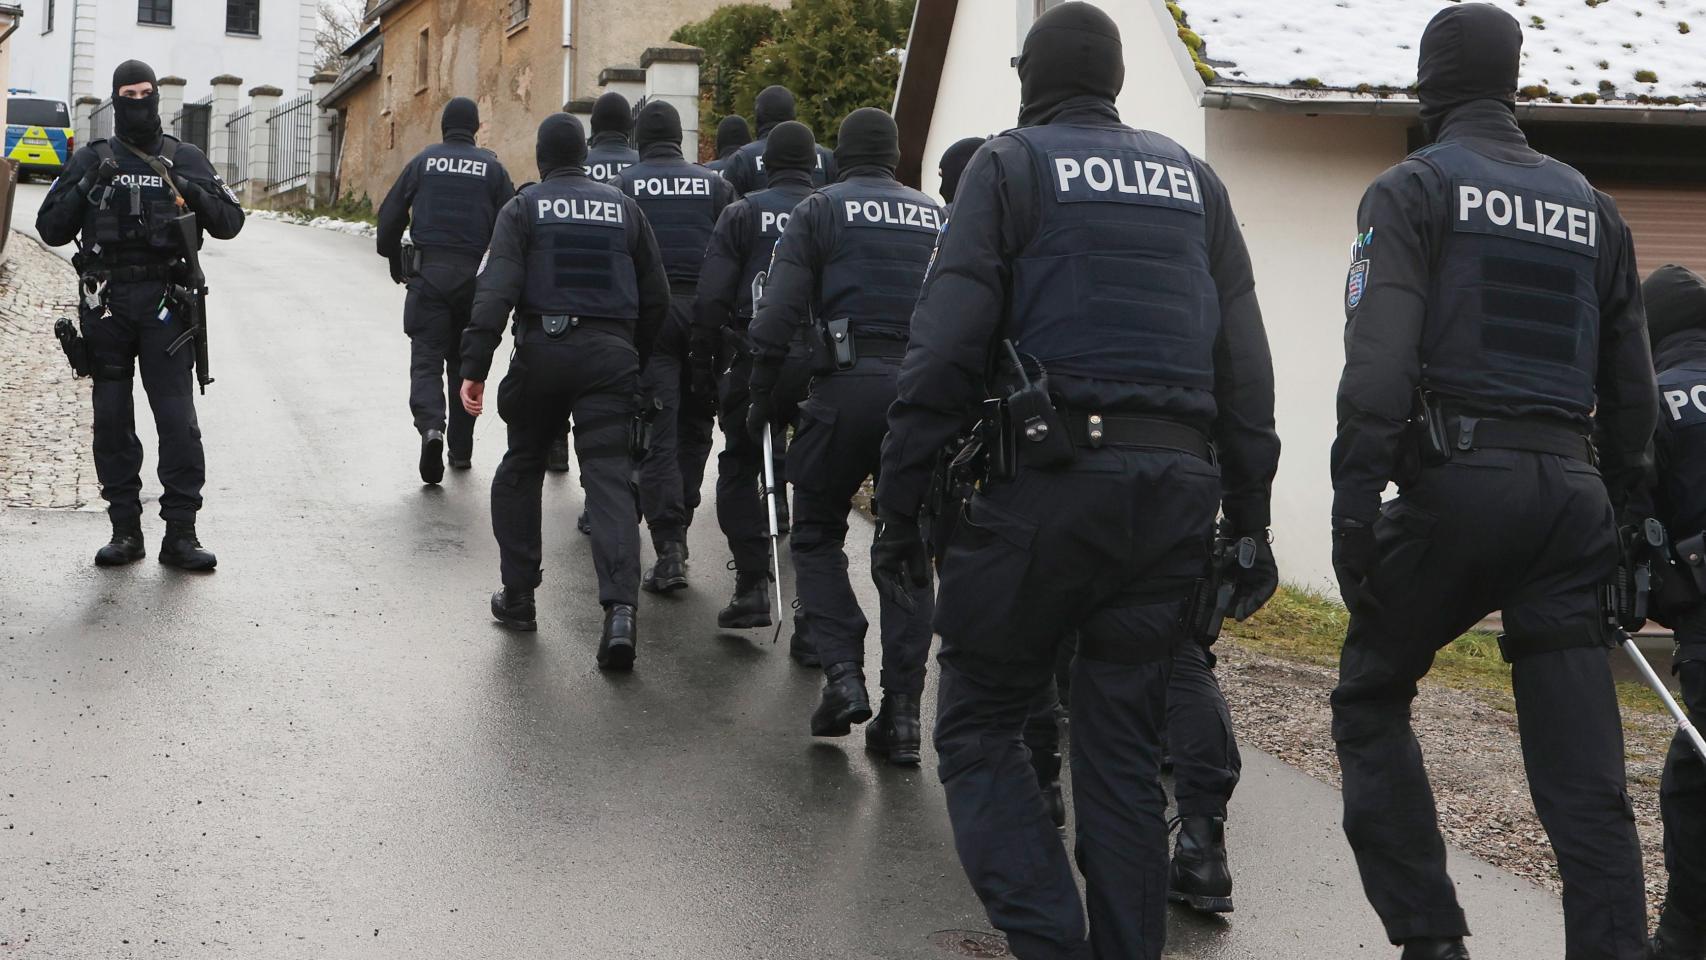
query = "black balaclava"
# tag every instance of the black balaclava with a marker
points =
(136, 122)
(562, 143)
(954, 161)
(732, 134)
(1469, 52)
(611, 114)
(1676, 302)
(773, 105)
(1072, 51)
(790, 146)
(868, 138)
(461, 119)
(658, 123)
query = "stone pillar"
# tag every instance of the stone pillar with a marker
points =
(263, 101)
(322, 164)
(630, 82)
(221, 108)
(171, 102)
(672, 75)
(81, 113)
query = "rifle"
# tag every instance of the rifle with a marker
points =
(775, 527)
(190, 296)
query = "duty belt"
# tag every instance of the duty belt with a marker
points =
(882, 349)
(132, 273)
(1097, 430)
(1474, 433)
(556, 325)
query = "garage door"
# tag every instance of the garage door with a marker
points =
(1669, 224)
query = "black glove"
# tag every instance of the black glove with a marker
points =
(396, 261)
(900, 564)
(702, 370)
(760, 413)
(1253, 585)
(97, 175)
(194, 196)
(1353, 558)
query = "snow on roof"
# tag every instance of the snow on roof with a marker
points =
(1586, 49)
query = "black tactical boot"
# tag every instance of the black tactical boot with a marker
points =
(749, 608)
(460, 461)
(897, 732)
(1677, 938)
(1435, 948)
(432, 456)
(514, 609)
(557, 461)
(616, 646)
(584, 524)
(844, 702)
(126, 546)
(800, 645)
(670, 572)
(180, 548)
(1199, 876)
(1055, 797)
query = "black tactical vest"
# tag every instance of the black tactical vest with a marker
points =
(1513, 316)
(605, 160)
(1115, 284)
(577, 251)
(881, 239)
(754, 178)
(1682, 412)
(453, 207)
(769, 210)
(130, 220)
(679, 200)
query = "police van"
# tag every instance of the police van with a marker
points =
(38, 134)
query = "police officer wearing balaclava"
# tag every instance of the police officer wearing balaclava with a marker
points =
(732, 134)
(447, 198)
(740, 250)
(745, 168)
(953, 165)
(1675, 300)
(1157, 364)
(577, 263)
(851, 259)
(682, 201)
(123, 195)
(1494, 325)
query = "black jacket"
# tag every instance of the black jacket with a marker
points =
(63, 210)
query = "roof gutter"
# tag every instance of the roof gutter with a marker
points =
(1344, 104)
(17, 14)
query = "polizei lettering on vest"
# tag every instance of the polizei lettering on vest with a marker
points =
(1124, 177)
(606, 169)
(772, 223)
(1483, 209)
(758, 162)
(1678, 401)
(462, 165)
(581, 211)
(892, 213)
(672, 187)
(138, 180)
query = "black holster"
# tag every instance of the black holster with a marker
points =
(75, 347)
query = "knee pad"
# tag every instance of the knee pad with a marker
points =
(105, 369)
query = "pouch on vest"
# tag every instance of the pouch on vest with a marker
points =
(821, 357)
(842, 351)
(1692, 555)
(556, 324)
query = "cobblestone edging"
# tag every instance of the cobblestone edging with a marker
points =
(46, 459)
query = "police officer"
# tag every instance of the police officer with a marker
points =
(447, 198)
(1152, 345)
(123, 195)
(732, 134)
(740, 250)
(852, 258)
(682, 201)
(608, 154)
(1675, 300)
(745, 168)
(577, 263)
(1493, 295)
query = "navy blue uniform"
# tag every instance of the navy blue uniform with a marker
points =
(129, 248)
(1111, 256)
(1501, 284)
(745, 167)
(608, 154)
(447, 198)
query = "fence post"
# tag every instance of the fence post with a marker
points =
(221, 106)
(171, 101)
(263, 100)
(672, 75)
(82, 112)
(322, 164)
(629, 81)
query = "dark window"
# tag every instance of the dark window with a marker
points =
(243, 16)
(154, 11)
(37, 113)
(519, 10)
(47, 21)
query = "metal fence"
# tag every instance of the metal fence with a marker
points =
(101, 121)
(237, 129)
(291, 128)
(191, 123)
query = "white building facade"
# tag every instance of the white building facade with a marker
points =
(67, 49)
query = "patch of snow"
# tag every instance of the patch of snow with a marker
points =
(352, 227)
(1569, 46)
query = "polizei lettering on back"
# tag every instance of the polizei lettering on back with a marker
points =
(891, 213)
(606, 169)
(1123, 176)
(566, 209)
(1509, 212)
(772, 224)
(462, 165)
(672, 187)
(758, 161)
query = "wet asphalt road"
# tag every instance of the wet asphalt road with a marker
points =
(326, 749)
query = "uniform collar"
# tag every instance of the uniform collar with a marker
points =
(662, 150)
(780, 177)
(608, 136)
(1482, 120)
(572, 170)
(1082, 111)
(869, 171)
(1679, 348)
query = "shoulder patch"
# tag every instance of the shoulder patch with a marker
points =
(1356, 284)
